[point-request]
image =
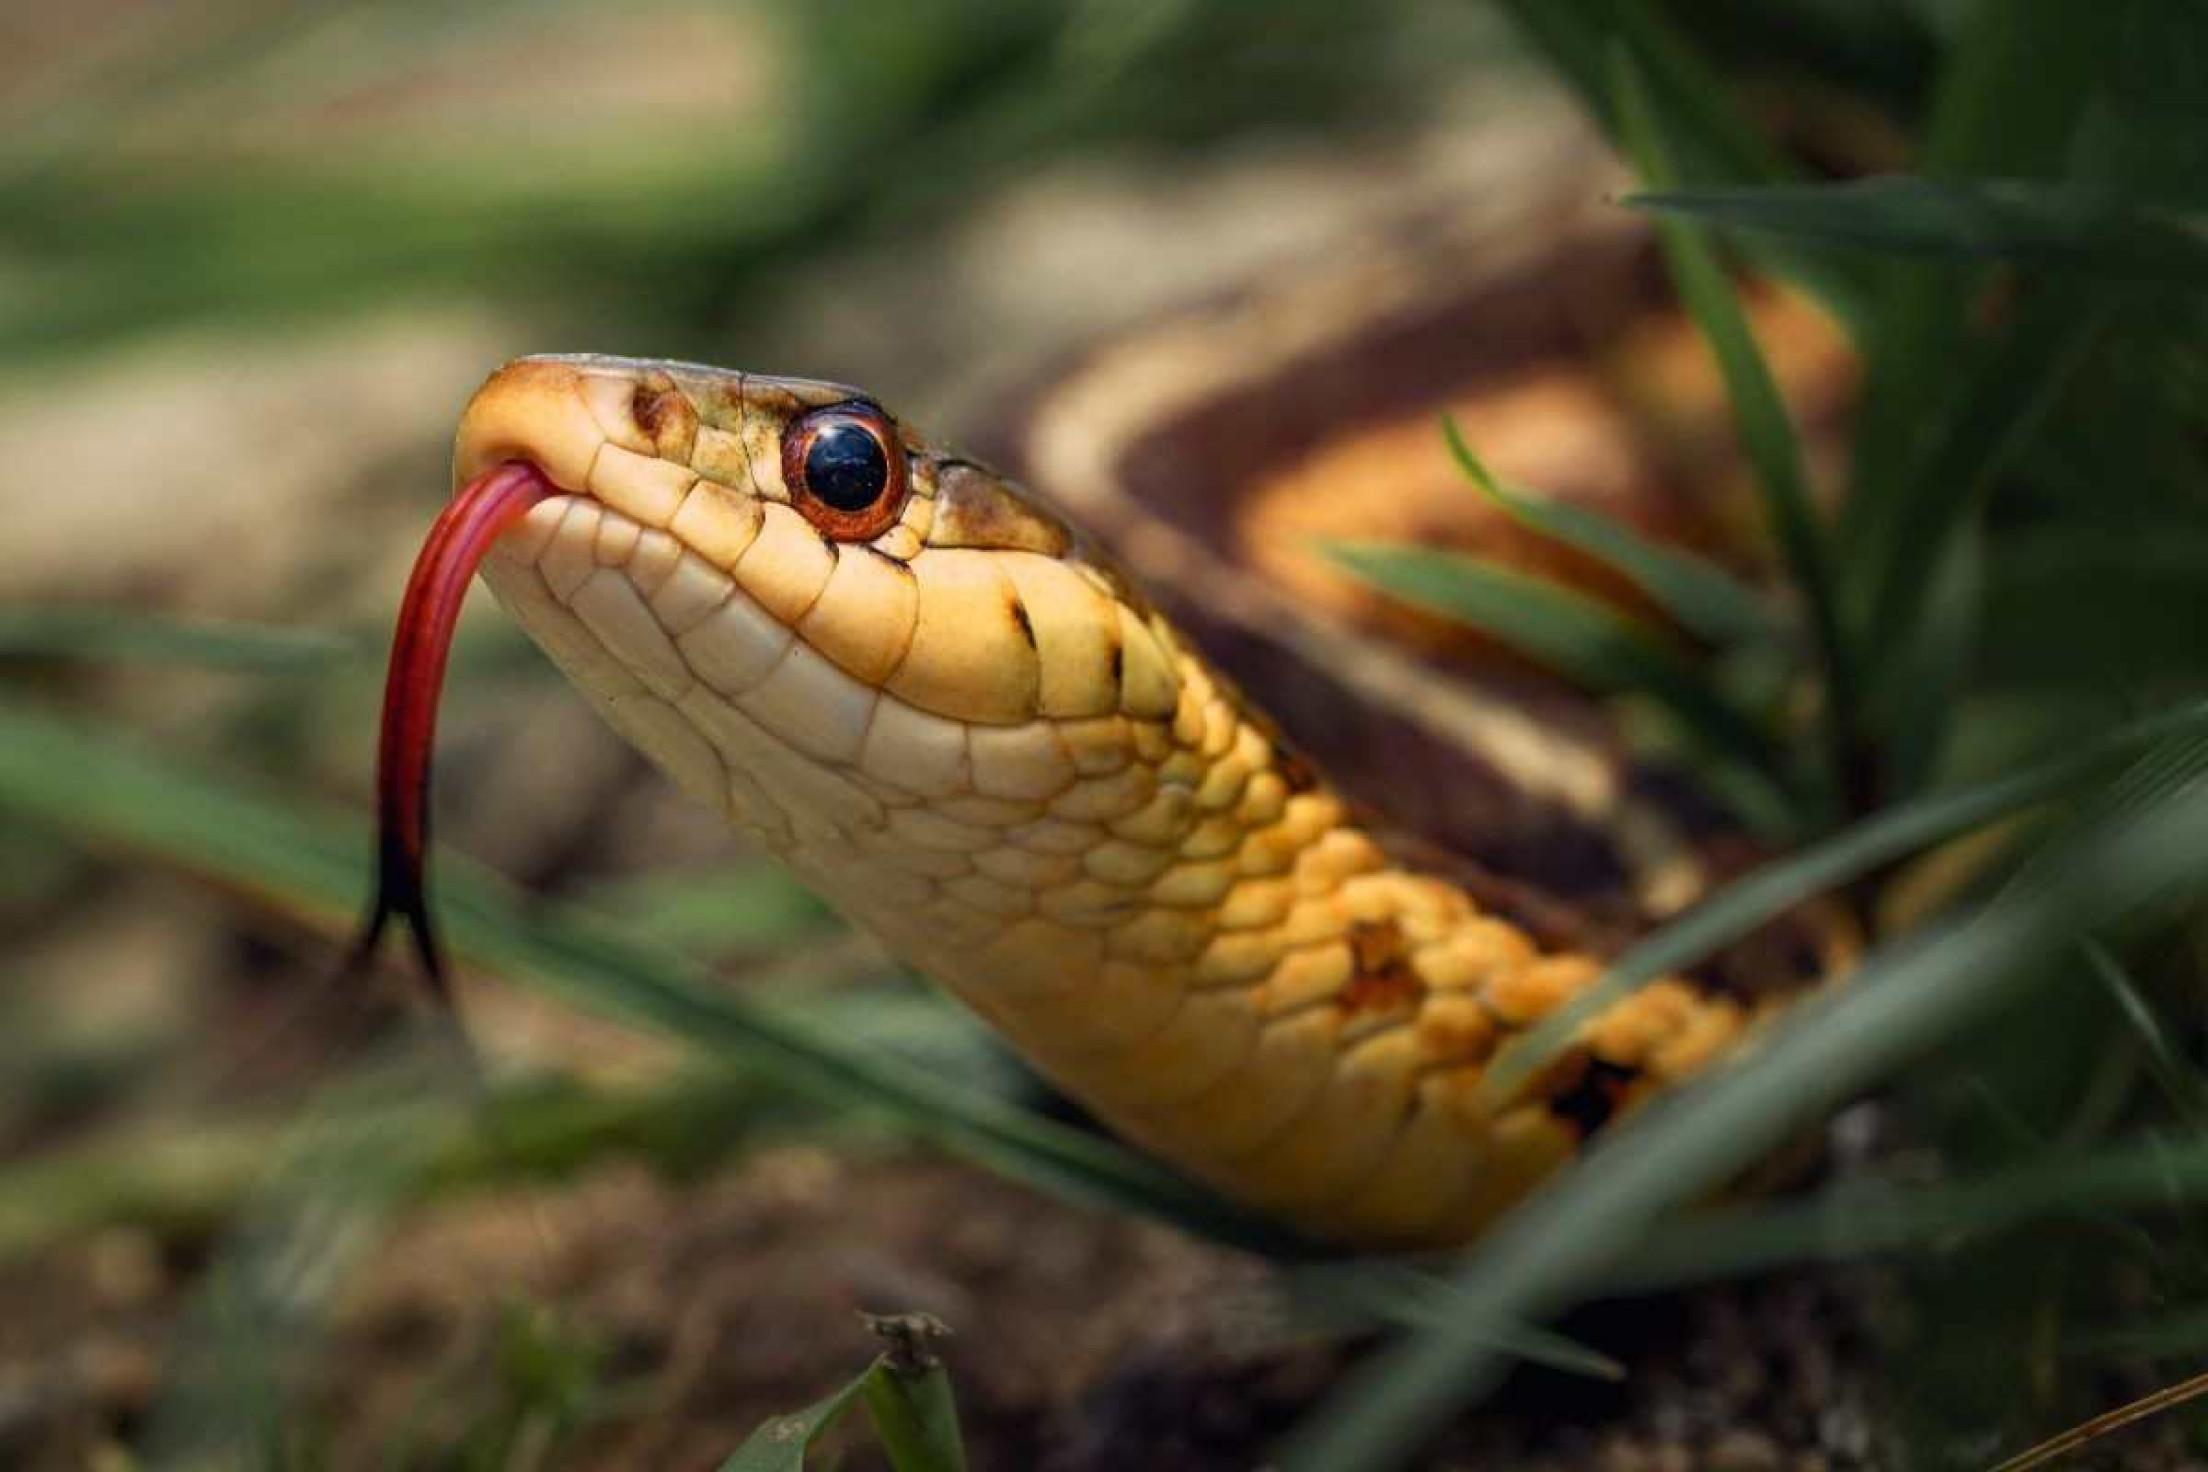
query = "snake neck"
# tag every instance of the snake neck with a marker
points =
(1211, 950)
(1173, 916)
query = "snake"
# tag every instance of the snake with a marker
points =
(997, 730)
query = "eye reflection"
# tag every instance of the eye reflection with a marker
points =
(845, 466)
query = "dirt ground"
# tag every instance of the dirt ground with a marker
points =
(693, 1312)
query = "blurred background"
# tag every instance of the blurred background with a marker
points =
(253, 259)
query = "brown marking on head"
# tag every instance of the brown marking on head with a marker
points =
(665, 415)
(975, 509)
(1382, 978)
(648, 406)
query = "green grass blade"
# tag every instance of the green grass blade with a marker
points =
(99, 789)
(2017, 79)
(354, 1155)
(1717, 143)
(2184, 1332)
(186, 1180)
(2069, 227)
(1575, 35)
(1696, 593)
(2005, 106)
(908, 1398)
(2166, 773)
(1360, 1293)
(1991, 420)
(915, 1414)
(1586, 642)
(747, 905)
(1860, 1221)
(1929, 667)
(1881, 52)
(779, 1445)
(1759, 412)
(1554, 1249)
(2181, 1083)
(2114, 606)
(119, 635)
(70, 777)
(1770, 891)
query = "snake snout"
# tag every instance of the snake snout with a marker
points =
(531, 410)
(566, 413)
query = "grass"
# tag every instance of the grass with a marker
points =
(109, 792)
(906, 1394)
(1983, 629)
(103, 636)
(1701, 597)
(1760, 415)
(1943, 454)
(1600, 648)
(1894, 1005)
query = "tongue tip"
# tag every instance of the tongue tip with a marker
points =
(402, 894)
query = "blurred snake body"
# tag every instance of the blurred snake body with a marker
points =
(957, 718)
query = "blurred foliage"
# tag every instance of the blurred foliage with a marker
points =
(876, 119)
(2046, 247)
(1997, 612)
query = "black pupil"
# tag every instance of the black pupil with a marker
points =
(845, 466)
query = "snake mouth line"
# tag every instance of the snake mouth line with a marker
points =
(421, 646)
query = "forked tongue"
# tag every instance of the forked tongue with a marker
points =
(470, 523)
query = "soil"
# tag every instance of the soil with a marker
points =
(690, 1313)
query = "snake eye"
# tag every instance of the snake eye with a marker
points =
(844, 470)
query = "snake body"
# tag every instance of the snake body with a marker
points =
(960, 720)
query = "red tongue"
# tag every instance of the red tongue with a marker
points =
(486, 506)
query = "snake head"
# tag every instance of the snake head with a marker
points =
(807, 614)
